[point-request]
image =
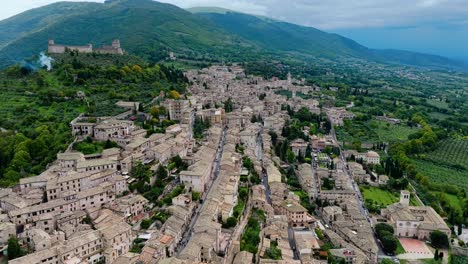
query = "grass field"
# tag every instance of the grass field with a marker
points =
(443, 175)
(459, 259)
(383, 197)
(438, 115)
(390, 133)
(374, 131)
(438, 103)
(455, 202)
(400, 249)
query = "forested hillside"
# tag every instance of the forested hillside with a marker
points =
(150, 29)
(145, 28)
(38, 105)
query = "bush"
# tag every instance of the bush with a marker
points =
(389, 243)
(145, 223)
(14, 249)
(380, 227)
(439, 239)
(196, 196)
(230, 222)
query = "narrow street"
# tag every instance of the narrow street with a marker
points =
(359, 198)
(213, 178)
(353, 183)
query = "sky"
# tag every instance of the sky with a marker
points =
(429, 26)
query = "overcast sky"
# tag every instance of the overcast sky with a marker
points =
(441, 21)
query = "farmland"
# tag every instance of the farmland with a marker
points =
(455, 202)
(442, 175)
(374, 131)
(451, 152)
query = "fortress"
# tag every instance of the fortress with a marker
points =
(59, 49)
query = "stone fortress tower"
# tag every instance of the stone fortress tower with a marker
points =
(60, 49)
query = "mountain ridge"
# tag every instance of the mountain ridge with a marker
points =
(150, 29)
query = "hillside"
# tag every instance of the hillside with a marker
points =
(145, 28)
(150, 29)
(287, 37)
(39, 18)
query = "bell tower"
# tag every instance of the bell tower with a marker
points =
(404, 197)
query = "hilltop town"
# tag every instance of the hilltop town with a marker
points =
(246, 170)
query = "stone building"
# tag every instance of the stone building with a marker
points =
(59, 48)
(414, 221)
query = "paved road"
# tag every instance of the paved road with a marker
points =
(239, 229)
(356, 190)
(353, 183)
(314, 165)
(214, 177)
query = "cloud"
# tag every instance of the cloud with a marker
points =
(338, 14)
(327, 15)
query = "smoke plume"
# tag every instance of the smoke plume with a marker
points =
(45, 60)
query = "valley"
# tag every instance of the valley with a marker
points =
(134, 131)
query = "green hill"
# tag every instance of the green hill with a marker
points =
(39, 18)
(150, 29)
(145, 28)
(287, 37)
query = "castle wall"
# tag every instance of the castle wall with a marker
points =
(114, 49)
(61, 48)
(56, 49)
(109, 50)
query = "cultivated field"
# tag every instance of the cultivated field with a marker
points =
(374, 131)
(443, 175)
(452, 152)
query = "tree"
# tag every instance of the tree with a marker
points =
(290, 156)
(383, 227)
(174, 95)
(389, 243)
(161, 172)
(436, 254)
(228, 105)
(145, 223)
(327, 183)
(243, 193)
(253, 119)
(14, 249)
(140, 172)
(195, 196)
(230, 222)
(439, 239)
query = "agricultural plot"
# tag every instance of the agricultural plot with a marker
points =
(451, 152)
(390, 133)
(374, 131)
(443, 175)
(455, 202)
(438, 103)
